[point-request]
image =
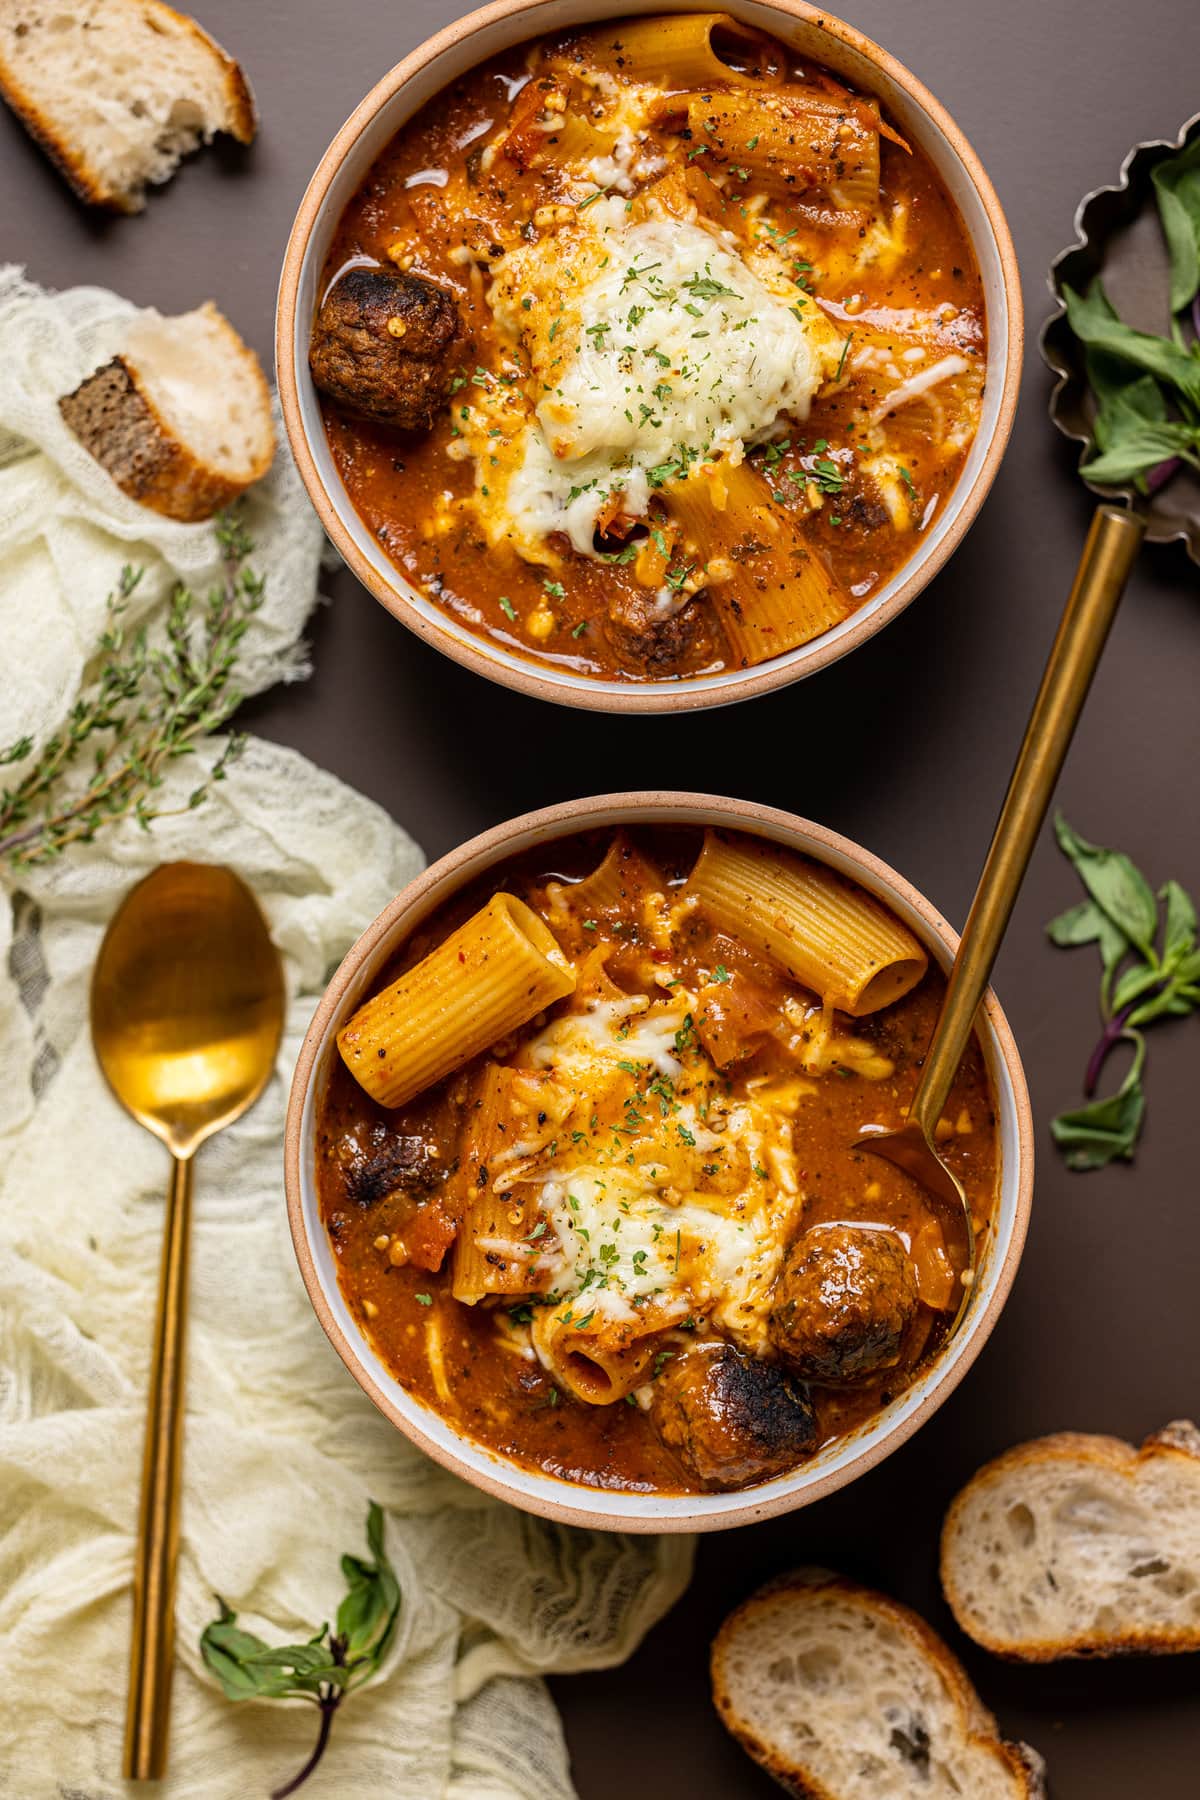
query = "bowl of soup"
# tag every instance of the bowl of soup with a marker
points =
(648, 363)
(572, 1171)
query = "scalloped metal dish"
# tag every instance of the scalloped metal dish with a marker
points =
(1118, 236)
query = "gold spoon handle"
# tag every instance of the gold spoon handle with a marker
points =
(1108, 555)
(151, 1660)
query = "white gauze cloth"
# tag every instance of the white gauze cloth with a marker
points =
(282, 1450)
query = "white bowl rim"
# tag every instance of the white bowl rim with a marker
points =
(547, 1495)
(381, 113)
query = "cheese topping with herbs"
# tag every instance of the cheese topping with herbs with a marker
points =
(652, 349)
(664, 1197)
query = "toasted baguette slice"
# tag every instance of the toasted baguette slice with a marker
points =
(1080, 1546)
(843, 1694)
(181, 418)
(117, 91)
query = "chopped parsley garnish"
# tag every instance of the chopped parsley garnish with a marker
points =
(507, 607)
(424, 1299)
(828, 476)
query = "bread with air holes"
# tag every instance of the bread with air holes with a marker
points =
(118, 91)
(1074, 1545)
(843, 1694)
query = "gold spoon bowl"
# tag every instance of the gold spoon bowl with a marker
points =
(187, 1011)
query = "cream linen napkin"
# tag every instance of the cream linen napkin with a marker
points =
(282, 1449)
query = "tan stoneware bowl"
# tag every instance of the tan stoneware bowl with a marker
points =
(463, 46)
(545, 1494)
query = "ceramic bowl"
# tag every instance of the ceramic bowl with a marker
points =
(831, 1468)
(450, 54)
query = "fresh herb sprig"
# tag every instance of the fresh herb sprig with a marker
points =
(330, 1664)
(146, 708)
(1146, 386)
(1151, 970)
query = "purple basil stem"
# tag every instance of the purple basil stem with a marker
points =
(1196, 313)
(1161, 473)
(1109, 1039)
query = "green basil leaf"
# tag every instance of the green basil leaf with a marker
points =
(1086, 924)
(236, 1683)
(362, 1611)
(1180, 996)
(1096, 324)
(1104, 1131)
(1135, 449)
(367, 1616)
(1122, 393)
(1115, 883)
(244, 1665)
(294, 1659)
(1080, 924)
(1135, 982)
(227, 1635)
(1177, 186)
(1180, 933)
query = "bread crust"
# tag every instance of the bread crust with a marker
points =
(980, 1726)
(242, 117)
(1179, 1439)
(115, 419)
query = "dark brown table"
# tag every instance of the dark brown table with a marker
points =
(1102, 1329)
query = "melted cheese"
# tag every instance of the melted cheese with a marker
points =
(653, 349)
(664, 1199)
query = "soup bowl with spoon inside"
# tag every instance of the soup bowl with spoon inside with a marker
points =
(659, 1092)
(646, 365)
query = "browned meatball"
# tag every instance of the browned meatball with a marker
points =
(645, 641)
(382, 346)
(392, 1164)
(731, 1419)
(842, 1302)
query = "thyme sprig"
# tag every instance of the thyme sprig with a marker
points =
(147, 707)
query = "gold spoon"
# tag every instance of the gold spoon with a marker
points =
(1108, 555)
(187, 1009)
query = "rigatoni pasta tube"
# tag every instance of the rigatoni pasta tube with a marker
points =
(579, 1360)
(624, 870)
(824, 932)
(771, 591)
(809, 148)
(489, 977)
(678, 50)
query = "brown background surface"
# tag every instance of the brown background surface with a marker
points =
(905, 746)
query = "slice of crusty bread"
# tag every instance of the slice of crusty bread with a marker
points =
(181, 417)
(1079, 1546)
(117, 91)
(843, 1694)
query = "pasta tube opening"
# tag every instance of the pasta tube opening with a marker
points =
(824, 932)
(582, 1363)
(683, 50)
